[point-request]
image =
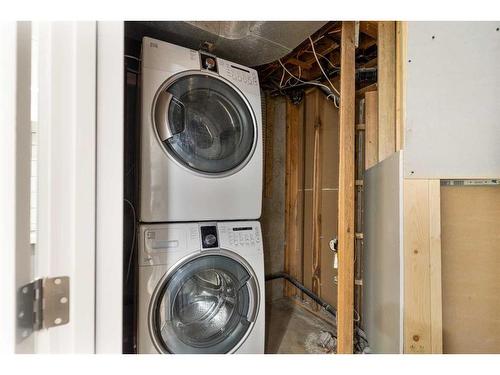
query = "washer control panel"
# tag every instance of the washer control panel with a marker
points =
(244, 236)
(241, 235)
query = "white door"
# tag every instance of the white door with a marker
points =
(49, 188)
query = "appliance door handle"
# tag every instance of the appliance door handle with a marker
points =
(163, 103)
(254, 300)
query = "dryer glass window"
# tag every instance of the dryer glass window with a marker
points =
(210, 127)
(206, 306)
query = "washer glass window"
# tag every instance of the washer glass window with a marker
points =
(208, 305)
(204, 123)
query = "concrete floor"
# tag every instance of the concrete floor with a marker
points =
(292, 329)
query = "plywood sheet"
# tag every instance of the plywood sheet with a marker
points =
(329, 226)
(470, 269)
(452, 96)
(382, 260)
(320, 111)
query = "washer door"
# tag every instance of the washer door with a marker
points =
(208, 304)
(204, 123)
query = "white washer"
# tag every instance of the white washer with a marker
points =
(201, 288)
(201, 137)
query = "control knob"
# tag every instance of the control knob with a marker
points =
(209, 239)
(210, 63)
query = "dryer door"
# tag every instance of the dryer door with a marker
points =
(205, 123)
(208, 305)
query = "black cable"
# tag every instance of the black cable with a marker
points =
(283, 275)
(298, 285)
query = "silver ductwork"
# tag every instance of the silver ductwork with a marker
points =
(250, 43)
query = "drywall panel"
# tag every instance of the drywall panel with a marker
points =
(470, 264)
(382, 258)
(452, 107)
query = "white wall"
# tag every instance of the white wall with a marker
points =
(453, 100)
(383, 256)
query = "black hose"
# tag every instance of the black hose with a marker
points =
(298, 285)
(283, 275)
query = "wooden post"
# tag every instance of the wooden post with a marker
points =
(386, 58)
(371, 129)
(346, 192)
(422, 267)
(401, 56)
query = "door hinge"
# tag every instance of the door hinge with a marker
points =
(43, 303)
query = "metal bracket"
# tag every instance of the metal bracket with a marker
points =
(43, 303)
(493, 182)
(334, 243)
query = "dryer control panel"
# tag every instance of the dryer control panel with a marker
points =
(238, 73)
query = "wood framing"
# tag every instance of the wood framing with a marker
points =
(401, 56)
(435, 266)
(386, 55)
(364, 90)
(371, 129)
(346, 191)
(369, 28)
(292, 183)
(422, 267)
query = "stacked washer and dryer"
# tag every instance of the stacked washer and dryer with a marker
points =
(201, 262)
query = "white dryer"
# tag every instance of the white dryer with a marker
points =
(201, 288)
(201, 137)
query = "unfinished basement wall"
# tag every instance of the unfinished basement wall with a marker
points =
(311, 205)
(299, 219)
(273, 200)
(320, 191)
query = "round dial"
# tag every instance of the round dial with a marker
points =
(210, 63)
(209, 239)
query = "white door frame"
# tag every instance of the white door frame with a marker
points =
(66, 177)
(80, 180)
(15, 255)
(109, 233)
